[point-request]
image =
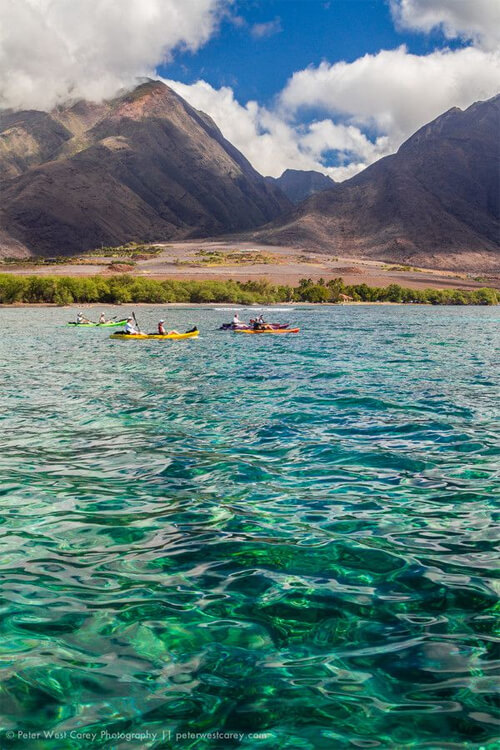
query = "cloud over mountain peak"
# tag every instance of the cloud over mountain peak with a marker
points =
(53, 50)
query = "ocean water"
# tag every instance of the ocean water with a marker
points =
(250, 541)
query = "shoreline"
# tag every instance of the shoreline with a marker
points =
(221, 305)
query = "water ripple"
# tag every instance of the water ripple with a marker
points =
(294, 536)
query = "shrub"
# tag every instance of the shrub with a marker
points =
(122, 288)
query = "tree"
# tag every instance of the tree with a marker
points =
(394, 293)
(315, 293)
(485, 296)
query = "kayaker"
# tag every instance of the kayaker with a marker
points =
(162, 331)
(102, 318)
(81, 319)
(260, 325)
(130, 328)
(236, 320)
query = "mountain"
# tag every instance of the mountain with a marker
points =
(145, 166)
(298, 185)
(435, 203)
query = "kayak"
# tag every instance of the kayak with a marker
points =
(109, 324)
(273, 331)
(231, 327)
(128, 336)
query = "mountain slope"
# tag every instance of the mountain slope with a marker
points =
(28, 139)
(298, 184)
(436, 202)
(145, 166)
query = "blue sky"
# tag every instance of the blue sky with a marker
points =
(334, 85)
(301, 33)
(331, 85)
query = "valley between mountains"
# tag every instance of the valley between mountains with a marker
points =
(146, 167)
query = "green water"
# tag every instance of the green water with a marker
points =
(291, 535)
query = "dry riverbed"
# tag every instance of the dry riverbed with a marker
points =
(244, 261)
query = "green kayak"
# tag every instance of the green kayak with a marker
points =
(109, 324)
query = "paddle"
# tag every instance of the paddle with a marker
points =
(136, 323)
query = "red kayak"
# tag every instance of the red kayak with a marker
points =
(272, 331)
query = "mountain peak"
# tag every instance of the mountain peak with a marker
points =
(144, 166)
(298, 184)
(148, 98)
(145, 90)
(148, 85)
(435, 203)
(455, 122)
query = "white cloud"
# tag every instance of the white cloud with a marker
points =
(324, 136)
(475, 20)
(262, 30)
(272, 144)
(390, 94)
(54, 49)
(395, 92)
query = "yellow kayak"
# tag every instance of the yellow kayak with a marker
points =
(129, 336)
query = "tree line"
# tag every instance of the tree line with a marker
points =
(117, 289)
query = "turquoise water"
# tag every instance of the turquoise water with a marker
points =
(288, 536)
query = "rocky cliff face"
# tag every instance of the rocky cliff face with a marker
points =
(436, 202)
(145, 166)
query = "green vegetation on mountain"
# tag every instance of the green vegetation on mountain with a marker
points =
(116, 289)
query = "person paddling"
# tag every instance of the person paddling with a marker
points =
(259, 324)
(102, 318)
(130, 328)
(81, 319)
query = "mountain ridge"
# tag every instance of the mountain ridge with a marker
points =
(434, 203)
(145, 165)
